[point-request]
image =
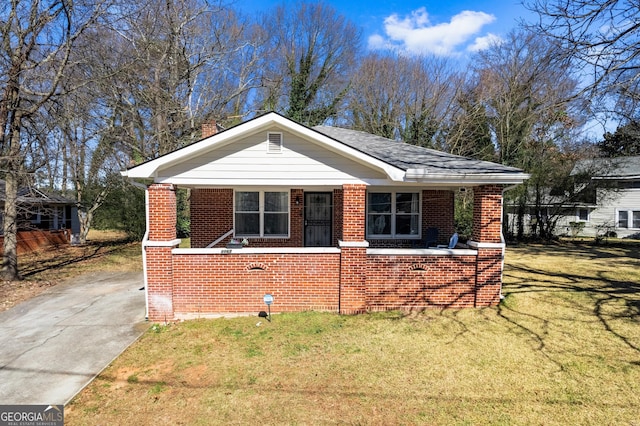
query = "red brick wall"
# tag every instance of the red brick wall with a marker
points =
(349, 282)
(39, 239)
(353, 260)
(438, 208)
(487, 214)
(413, 282)
(296, 220)
(353, 212)
(162, 212)
(489, 279)
(160, 283)
(238, 282)
(212, 217)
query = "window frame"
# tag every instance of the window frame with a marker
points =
(393, 214)
(629, 219)
(261, 212)
(583, 209)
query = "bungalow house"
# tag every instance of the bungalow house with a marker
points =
(331, 219)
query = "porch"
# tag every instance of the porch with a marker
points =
(348, 272)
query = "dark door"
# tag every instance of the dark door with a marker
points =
(317, 219)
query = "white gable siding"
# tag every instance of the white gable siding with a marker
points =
(248, 161)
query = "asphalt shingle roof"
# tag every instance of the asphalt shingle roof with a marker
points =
(406, 156)
(610, 168)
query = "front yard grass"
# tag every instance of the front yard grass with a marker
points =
(562, 348)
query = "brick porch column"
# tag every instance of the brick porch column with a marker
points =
(486, 239)
(353, 249)
(162, 238)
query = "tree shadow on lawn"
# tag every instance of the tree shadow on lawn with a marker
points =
(54, 260)
(603, 293)
(584, 249)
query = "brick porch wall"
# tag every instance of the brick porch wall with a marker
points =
(238, 282)
(415, 283)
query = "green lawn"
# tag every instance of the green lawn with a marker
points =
(563, 348)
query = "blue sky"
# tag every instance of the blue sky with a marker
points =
(445, 28)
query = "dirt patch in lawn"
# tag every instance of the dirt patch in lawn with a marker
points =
(105, 250)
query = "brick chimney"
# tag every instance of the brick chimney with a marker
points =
(209, 128)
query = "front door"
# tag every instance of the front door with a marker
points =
(317, 219)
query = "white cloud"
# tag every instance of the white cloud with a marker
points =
(414, 34)
(482, 43)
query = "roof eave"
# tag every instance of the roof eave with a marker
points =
(421, 175)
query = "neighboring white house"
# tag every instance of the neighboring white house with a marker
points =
(609, 206)
(617, 208)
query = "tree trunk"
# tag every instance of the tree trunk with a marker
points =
(10, 228)
(85, 219)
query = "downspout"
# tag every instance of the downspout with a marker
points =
(145, 238)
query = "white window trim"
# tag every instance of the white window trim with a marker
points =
(588, 219)
(629, 218)
(393, 235)
(261, 212)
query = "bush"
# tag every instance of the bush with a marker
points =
(576, 228)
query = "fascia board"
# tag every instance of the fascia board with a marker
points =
(423, 176)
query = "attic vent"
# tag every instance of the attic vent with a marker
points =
(274, 142)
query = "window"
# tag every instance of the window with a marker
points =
(583, 214)
(393, 214)
(261, 214)
(629, 219)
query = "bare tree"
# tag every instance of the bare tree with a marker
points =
(377, 96)
(178, 63)
(468, 132)
(308, 63)
(601, 37)
(403, 98)
(37, 38)
(532, 109)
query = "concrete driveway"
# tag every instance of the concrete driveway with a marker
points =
(53, 345)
